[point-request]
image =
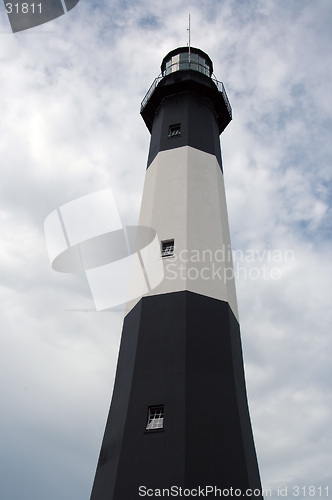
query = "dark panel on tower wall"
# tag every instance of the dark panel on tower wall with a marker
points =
(188, 358)
(107, 466)
(218, 424)
(198, 125)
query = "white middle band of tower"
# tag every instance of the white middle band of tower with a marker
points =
(184, 200)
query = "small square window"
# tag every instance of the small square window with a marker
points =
(155, 418)
(174, 130)
(167, 248)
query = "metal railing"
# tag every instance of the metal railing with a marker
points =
(218, 84)
(150, 91)
(221, 88)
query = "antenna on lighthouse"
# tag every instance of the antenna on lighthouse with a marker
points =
(188, 29)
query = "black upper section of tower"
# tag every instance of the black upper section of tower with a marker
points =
(184, 70)
(186, 105)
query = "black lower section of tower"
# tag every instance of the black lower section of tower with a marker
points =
(181, 352)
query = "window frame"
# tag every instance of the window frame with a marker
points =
(156, 408)
(164, 244)
(176, 127)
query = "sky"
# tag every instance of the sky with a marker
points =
(70, 126)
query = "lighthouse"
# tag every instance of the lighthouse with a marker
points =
(179, 422)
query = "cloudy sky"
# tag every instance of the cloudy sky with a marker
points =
(70, 125)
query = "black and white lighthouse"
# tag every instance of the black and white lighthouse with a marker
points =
(179, 415)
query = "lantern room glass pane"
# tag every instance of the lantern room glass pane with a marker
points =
(185, 61)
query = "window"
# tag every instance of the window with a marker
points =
(174, 130)
(167, 248)
(155, 418)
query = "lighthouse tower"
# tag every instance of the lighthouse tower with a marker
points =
(179, 419)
